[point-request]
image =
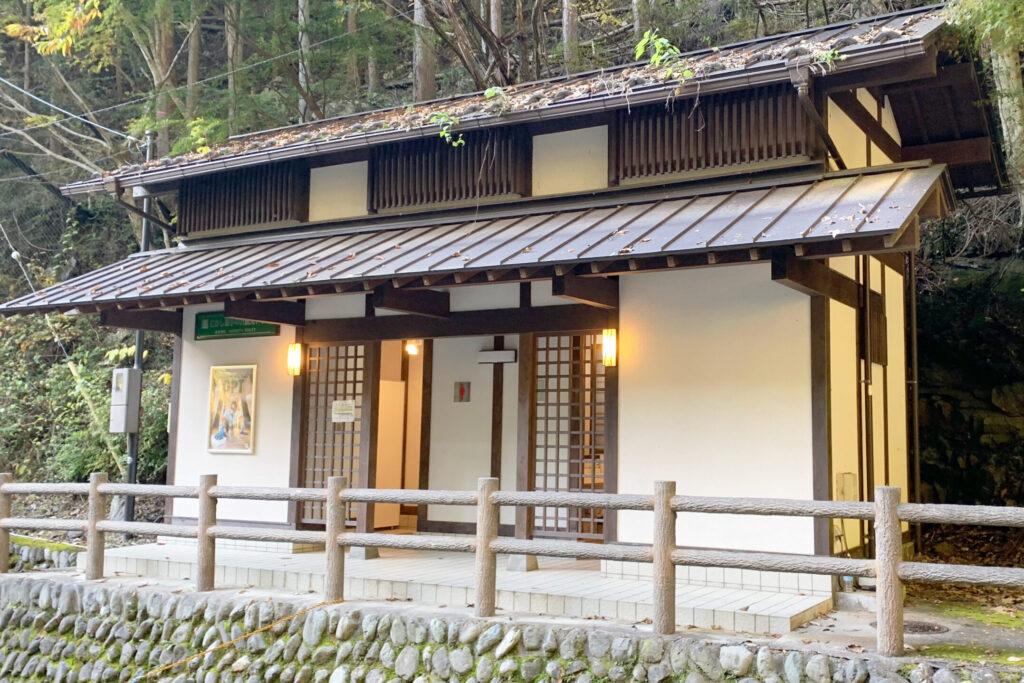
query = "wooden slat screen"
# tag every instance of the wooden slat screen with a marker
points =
(717, 130)
(258, 195)
(334, 372)
(491, 163)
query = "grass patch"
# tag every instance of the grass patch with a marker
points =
(1000, 617)
(40, 543)
(975, 653)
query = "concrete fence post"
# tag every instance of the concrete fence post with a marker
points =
(486, 560)
(5, 534)
(94, 538)
(334, 581)
(664, 571)
(206, 545)
(888, 556)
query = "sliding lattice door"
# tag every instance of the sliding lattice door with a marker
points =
(570, 429)
(334, 372)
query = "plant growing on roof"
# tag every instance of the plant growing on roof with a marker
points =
(661, 51)
(447, 122)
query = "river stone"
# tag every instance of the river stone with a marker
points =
(793, 667)
(657, 673)
(399, 634)
(303, 654)
(372, 652)
(678, 656)
(509, 642)
(440, 664)
(818, 670)
(453, 633)
(484, 668)
(469, 631)
(438, 631)
(417, 630)
(652, 650)
(324, 654)
(291, 648)
(313, 630)
(856, 671)
(304, 675)
(488, 639)
(370, 626)
(339, 675)
(623, 649)
(599, 644)
(320, 676)
(922, 673)
(376, 676)
(407, 662)
(387, 656)
(347, 626)
(461, 660)
(344, 650)
(944, 675)
(240, 664)
(572, 644)
(384, 626)
(67, 603)
(695, 677)
(550, 642)
(181, 634)
(737, 659)
(985, 675)
(554, 669)
(287, 675)
(65, 625)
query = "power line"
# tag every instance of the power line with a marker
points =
(64, 111)
(145, 98)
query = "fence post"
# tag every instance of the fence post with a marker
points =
(486, 561)
(94, 538)
(664, 571)
(334, 582)
(888, 556)
(5, 534)
(206, 545)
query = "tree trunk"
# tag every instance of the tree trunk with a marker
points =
(233, 47)
(353, 60)
(27, 47)
(424, 60)
(496, 18)
(570, 36)
(1010, 103)
(194, 51)
(163, 60)
(303, 20)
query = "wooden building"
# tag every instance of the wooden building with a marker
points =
(583, 284)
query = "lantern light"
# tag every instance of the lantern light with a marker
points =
(609, 348)
(295, 359)
(412, 347)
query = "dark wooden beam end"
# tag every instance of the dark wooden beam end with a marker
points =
(426, 302)
(150, 321)
(593, 291)
(276, 312)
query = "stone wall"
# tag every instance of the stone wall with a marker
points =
(28, 556)
(68, 631)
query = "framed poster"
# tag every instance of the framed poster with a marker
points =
(232, 409)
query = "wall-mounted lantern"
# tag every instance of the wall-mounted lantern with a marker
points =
(412, 347)
(609, 348)
(295, 359)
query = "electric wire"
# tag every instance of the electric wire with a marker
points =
(51, 105)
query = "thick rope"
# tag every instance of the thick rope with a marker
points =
(157, 672)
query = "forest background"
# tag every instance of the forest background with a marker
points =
(81, 80)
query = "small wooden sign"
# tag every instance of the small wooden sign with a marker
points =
(215, 325)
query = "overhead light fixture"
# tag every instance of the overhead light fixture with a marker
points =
(609, 348)
(412, 347)
(295, 359)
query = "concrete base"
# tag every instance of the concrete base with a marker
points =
(522, 563)
(363, 553)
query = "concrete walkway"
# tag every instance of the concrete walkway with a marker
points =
(561, 588)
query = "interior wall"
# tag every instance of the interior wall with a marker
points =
(270, 462)
(413, 412)
(715, 393)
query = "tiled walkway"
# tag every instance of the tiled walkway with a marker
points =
(559, 588)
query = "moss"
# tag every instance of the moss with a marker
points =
(40, 543)
(980, 613)
(975, 653)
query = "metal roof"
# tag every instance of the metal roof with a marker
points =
(868, 42)
(834, 207)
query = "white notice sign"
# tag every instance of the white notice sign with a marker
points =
(343, 411)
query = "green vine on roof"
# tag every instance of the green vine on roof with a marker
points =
(661, 51)
(447, 122)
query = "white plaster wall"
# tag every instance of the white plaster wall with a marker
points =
(460, 433)
(338, 191)
(715, 393)
(570, 161)
(269, 464)
(340, 306)
(484, 297)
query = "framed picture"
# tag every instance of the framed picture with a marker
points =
(232, 410)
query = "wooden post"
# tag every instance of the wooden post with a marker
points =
(486, 561)
(5, 535)
(206, 545)
(334, 582)
(664, 571)
(888, 556)
(94, 538)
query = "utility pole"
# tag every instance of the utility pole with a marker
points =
(133, 437)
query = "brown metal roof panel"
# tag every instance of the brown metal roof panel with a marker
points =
(702, 235)
(521, 237)
(770, 209)
(535, 250)
(813, 205)
(671, 230)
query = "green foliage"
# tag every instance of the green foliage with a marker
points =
(995, 21)
(446, 123)
(661, 51)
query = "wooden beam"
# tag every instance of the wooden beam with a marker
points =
(814, 278)
(850, 105)
(567, 318)
(426, 302)
(151, 321)
(954, 153)
(277, 312)
(593, 291)
(914, 68)
(800, 77)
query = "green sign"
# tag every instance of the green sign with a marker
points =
(215, 325)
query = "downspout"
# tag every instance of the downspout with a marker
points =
(913, 434)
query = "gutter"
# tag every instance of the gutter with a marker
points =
(734, 79)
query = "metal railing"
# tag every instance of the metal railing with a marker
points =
(887, 512)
